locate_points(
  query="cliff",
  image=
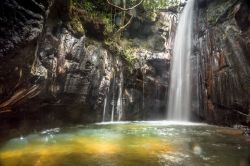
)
(222, 45)
(59, 66)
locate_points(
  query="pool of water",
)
(129, 144)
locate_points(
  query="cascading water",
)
(116, 103)
(113, 101)
(119, 100)
(180, 83)
(104, 107)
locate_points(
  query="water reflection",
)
(138, 143)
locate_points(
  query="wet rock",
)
(224, 61)
(202, 3)
(246, 132)
(242, 19)
(75, 75)
(21, 22)
(159, 43)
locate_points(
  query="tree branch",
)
(124, 9)
(124, 26)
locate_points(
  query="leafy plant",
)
(159, 4)
(129, 55)
(86, 5)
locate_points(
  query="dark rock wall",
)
(64, 81)
(51, 76)
(222, 43)
(21, 24)
(145, 83)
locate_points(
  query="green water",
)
(129, 144)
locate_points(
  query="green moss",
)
(126, 53)
(151, 15)
(105, 19)
(219, 10)
(113, 47)
(88, 17)
(129, 55)
(90, 42)
(76, 26)
(108, 25)
(152, 7)
(86, 5)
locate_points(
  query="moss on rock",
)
(218, 10)
(126, 53)
(76, 26)
(86, 18)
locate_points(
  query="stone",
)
(224, 63)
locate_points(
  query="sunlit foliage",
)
(159, 4)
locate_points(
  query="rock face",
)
(21, 24)
(56, 78)
(222, 43)
(51, 76)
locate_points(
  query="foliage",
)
(159, 4)
(98, 12)
(91, 6)
(87, 13)
(152, 7)
(101, 10)
(129, 55)
(76, 26)
(125, 52)
(88, 6)
(218, 9)
(105, 19)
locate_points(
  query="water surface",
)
(129, 144)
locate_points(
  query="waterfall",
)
(119, 100)
(143, 89)
(116, 111)
(143, 70)
(180, 82)
(104, 107)
(113, 101)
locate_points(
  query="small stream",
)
(129, 144)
